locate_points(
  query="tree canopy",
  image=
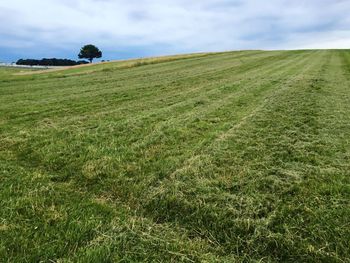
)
(90, 52)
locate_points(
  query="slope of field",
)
(227, 157)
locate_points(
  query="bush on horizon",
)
(50, 62)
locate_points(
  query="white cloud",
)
(175, 25)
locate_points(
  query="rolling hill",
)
(214, 157)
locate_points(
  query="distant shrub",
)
(50, 62)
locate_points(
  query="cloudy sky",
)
(137, 28)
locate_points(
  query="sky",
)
(140, 28)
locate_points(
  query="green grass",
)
(219, 157)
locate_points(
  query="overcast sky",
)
(136, 28)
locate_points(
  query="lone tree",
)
(90, 52)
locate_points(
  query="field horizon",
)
(238, 156)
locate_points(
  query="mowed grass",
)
(225, 157)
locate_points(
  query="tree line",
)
(88, 52)
(50, 62)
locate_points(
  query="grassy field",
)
(223, 157)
